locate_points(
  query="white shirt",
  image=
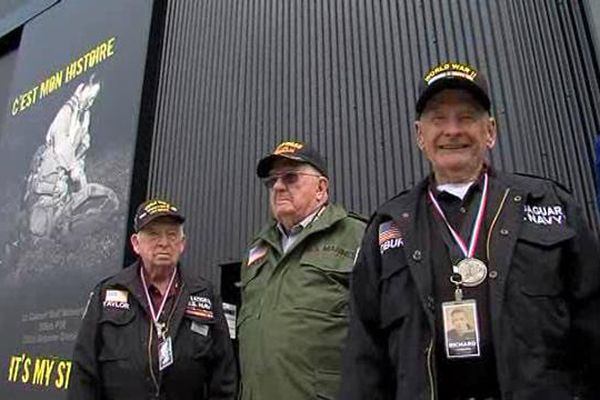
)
(457, 189)
(288, 238)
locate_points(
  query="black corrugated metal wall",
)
(237, 76)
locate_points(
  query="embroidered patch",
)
(390, 236)
(200, 302)
(116, 295)
(196, 312)
(544, 215)
(256, 253)
(199, 306)
(116, 299)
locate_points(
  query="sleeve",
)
(582, 266)
(365, 369)
(85, 381)
(222, 383)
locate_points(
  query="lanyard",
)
(156, 314)
(469, 251)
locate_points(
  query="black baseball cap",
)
(452, 75)
(296, 151)
(151, 209)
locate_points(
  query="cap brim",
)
(264, 166)
(453, 83)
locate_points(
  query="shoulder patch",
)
(256, 253)
(199, 306)
(544, 214)
(390, 236)
(115, 298)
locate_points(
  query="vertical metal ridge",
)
(238, 76)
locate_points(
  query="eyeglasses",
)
(287, 178)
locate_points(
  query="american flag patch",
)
(388, 231)
(256, 253)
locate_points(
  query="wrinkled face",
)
(459, 321)
(297, 191)
(160, 243)
(455, 132)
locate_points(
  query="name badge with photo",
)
(461, 328)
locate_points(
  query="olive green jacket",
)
(294, 313)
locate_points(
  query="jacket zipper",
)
(430, 369)
(158, 381)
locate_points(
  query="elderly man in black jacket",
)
(153, 331)
(513, 252)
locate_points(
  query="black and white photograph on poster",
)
(60, 203)
(67, 148)
(461, 329)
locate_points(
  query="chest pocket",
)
(323, 281)
(117, 334)
(250, 273)
(538, 257)
(201, 333)
(251, 288)
(395, 289)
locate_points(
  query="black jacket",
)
(544, 283)
(111, 357)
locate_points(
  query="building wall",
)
(238, 76)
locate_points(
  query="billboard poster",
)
(66, 154)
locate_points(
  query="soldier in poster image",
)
(295, 283)
(512, 253)
(154, 330)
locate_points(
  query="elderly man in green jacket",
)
(294, 312)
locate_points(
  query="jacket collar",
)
(129, 278)
(330, 216)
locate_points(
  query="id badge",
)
(165, 353)
(461, 328)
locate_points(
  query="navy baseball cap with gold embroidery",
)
(296, 151)
(151, 209)
(451, 75)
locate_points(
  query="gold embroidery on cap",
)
(288, 147)
(450, 69)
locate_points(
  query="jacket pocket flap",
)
(117, 317)
(250, 272)
(200, 320)
(390, 268)
(546, 236)
(329, 262)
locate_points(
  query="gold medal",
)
(472, 271)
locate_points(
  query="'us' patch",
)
(390, 236)
(256, 253)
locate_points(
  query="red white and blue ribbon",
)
(156, 314)
(469, 251)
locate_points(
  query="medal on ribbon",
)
(472, 270)
(165, 345)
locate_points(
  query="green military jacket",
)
(294, 313)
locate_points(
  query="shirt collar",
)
(296, 229)
(152, 289)
(477, 185)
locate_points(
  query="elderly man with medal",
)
(154, 330)
(475, 284)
